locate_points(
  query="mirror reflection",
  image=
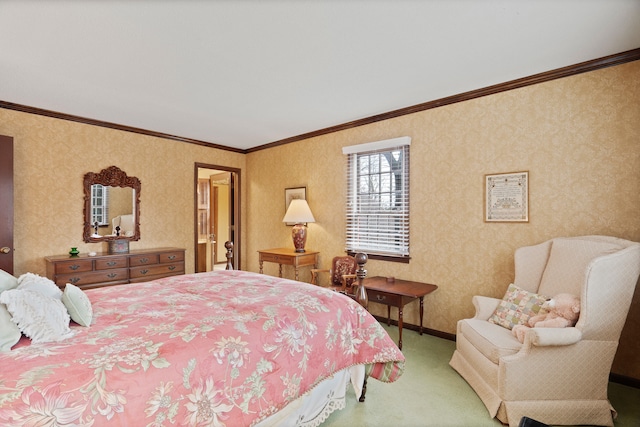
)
(112, 210)
(112, 206)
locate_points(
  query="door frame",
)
(234, 205)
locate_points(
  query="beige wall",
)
(51, 157)
(579, 138)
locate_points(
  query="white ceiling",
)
(246, 73)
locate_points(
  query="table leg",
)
(400, 310)
(421, 312)
(388, 315)
(296, 269)
(280, 270)
(260, 266)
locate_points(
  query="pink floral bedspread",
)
(211, 349)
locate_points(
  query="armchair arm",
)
(485, 306)
(543, 337)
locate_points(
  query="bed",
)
(230, 348)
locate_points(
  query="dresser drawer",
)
(114, 275)
(74, 266)
(384, 298)
(154, 270)
(108, 263)
(146, 259)
(166, 257)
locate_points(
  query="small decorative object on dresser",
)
(120, 246)
(103, 269)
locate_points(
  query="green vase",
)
(74, 252)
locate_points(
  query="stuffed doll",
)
(561, 311)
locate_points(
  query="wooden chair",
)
(342, 274)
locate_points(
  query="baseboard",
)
(616, 378)
(428, 331)
(624, 380)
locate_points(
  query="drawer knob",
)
(74, 267)
(172, 267)
(74, 280)
(144, 260)
(380, 297)
(144, 271)
(112, 275)
(111, 263)
(171, 257)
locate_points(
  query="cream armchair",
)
(556, 376)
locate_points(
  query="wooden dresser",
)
(105, 269)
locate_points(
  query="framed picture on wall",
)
(506, 197)
(293, 193)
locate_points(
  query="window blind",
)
(377, 208)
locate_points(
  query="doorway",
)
(216, 215)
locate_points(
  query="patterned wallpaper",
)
(51, 157)
(578, 137)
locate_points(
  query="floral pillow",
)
(516, 307)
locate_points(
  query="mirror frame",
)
(114, 177)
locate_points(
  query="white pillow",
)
(41, 318)
(7, 281)
(9, 332)
(78, 305)
(35, 282)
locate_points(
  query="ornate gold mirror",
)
(111, 206)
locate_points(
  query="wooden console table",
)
(397, 293)
(286, 256)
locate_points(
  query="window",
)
(99, 204)
(378, 198)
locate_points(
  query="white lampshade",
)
(298, 212)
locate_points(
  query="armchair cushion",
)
(516, 307)
(493, 341)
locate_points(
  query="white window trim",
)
(355, 242)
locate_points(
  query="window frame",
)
(363, 197)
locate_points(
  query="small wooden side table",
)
(286, 256)
(397, 293)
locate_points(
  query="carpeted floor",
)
(431, 393)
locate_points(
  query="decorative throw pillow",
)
(78, 305)
(41, 318)
(35, 282)
(516, 307)
(9, 332)
(7, 281)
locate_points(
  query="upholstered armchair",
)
(341, 275)
(557, 376)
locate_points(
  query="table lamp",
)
(299, 213)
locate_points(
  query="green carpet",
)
(431, 393)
